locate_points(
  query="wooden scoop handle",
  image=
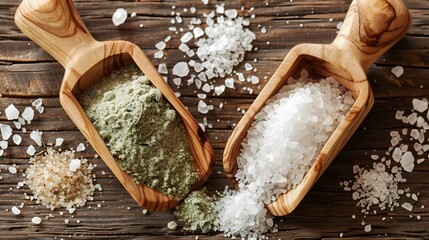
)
(371, 27)
(56, 26)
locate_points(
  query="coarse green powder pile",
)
(197, 212)
(142, 131)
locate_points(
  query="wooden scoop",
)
(57, 27)
(370, 28)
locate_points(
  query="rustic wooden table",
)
(27, 73)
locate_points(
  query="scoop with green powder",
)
(142, 131)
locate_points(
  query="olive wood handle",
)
(56, 26)
(371, 27)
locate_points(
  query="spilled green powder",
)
(197, 212)
(142, 131)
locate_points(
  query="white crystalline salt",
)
(31, 150)
(229, 83)
(339, 25)
(263, 30)
(220, 8)
(36, 136)
(205, 2)
(59, 142)
(415, 133)
(119, 16)
(398, 71)
(231, 13)
(16, 139)
(198, 32)
(206, 88)
(186, 37)
(248, 66)
(181, 69)
(74, 164)
(203, 107)
(219, 90)
(160, 45)
(158, 54)
(397, 154)
(12, 170)
(11, 112)
(184, 48)
(254, 79)
(40, 109)
(17, 124)
(202, 76)
(37, 103)
(28, 114)
(367, 228)
(286, 118)
(80, 147)
(172, 225)
(177, 81)
(6, 131)
(133, 14)
(16, 210)
(21, 120)
(193, 10)
(420, 105)
(3, 144)
(36, 220)
(407, 161)
(407, 206)
(162, 68)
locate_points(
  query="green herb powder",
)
(197, 212)
(142, 130)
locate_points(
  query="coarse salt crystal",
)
(206, 88)
(186, 37)
(3, 144)
(74, 164)
(407, 206)
(36, 136)
(398, 71)
(367, 228)
(181, 69)
(229, 83)
(59, 142)
(172, 225)
(80, 147)
(160, 45)
(37, 103)
(16, 139)
(420, 105)
(16, 210)
(248, 66)
(177, 81)
(11, 112)
(162, 68)
(158, 54)
(205, 2)
(183, 47)
(36, 220)
(219, 89)
(28, 114)
(40, 109)
(12, 169)
(6, 131)
(407, 161)
(198, 32)
(31, 150)
(231, 13)
(119, 16)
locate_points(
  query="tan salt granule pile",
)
(60, 180)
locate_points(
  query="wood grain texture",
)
(27, 72)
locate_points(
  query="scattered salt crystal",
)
(248, 66)
(181, 69)
(367, 228)
(339, 25)
(40, 109)
(231, 13)
(28, 114)
(6, 131)
(205, 2)
(229, 83)
(177, 81)
(16, 139)
(183, 47)
(74, 164)
(11, 112)
(254, 79)
(407, 206)
(16, 210)
(37, 103)
(420, 160)
(398, 71)
(198, 32)
(59, 142)
(119, 16)
(414, 197)
(17, 124)
(133, 14)
(193, 10)
(31, 150)
(263, 30)
(219, 89)
(172, 225)
(407, 161)
(160, 45)
(203, 107)
(80, 147)
(206, 88)
(36, 136)
(36, 220)
(158, 54)
(3, 144)
(420, 105)
(186, 37)
(415, 134)
(162, 68)
(12, 169)
(201, 95)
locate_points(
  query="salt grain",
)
(181, 69)
(80, 147)
(407, 161)
(407, 206)
(59, 142)
(398, 71)
(186, 37)
(6, 131)
(12, 170)
(229, 83)
(36, 136)
(162, 68)
(198, 32)
(367, 228)
(36, 220)
(160, 45)
(74, 164)
(31, 150)
(16, 139)
(119, 16)
(16, 210)
(11, 112)
(172, 225)
(28, 114)
(420, 105)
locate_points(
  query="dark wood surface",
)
(27, 72)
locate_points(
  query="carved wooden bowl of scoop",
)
(56, 26)
(370, 28)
